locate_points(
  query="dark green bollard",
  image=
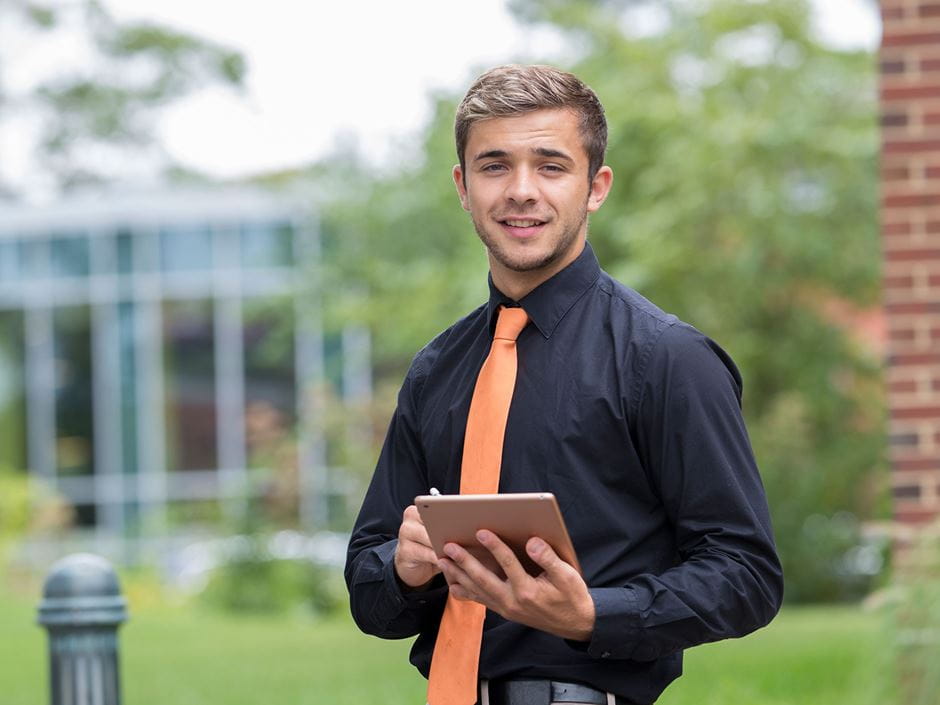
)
(82, 607)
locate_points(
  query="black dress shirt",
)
(633, 420)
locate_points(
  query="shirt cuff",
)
(616, 623)
(394, 595)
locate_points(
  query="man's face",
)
(526, 188)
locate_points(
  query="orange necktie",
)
(454, 665)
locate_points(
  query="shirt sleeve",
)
(378, 604)
(691, 436)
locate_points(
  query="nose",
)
(521, 187)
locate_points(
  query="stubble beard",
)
(568, 236)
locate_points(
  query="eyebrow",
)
(491, 154)
(552, 153)
(541, 151)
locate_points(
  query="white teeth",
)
(522, 223)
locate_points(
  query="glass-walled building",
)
(157, 350)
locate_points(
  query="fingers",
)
(540, 552)
(557, 601)
(546, 558)
(461, 593)
(464, 567)
(412, 528)
(504, 556)
(414, 535)
(415, 560)
(471, 578)
(457, 579)
(416, 553)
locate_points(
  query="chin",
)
(525, 263)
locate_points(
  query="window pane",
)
(10, 266)
(34, 258)
(270, 391)
(185, 249)
(267, 245)
(12, 392)
(188, 356)
(125, 252)
(73, 391)
(128, 357)
(85, 515)
(70, 256)
(146, 250)
(226, 247)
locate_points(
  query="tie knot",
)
(510, 323)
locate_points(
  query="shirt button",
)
(422, 602)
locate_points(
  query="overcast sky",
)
(381, 60)
(322, 70)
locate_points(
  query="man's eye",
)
(493, 167)
(552, 167)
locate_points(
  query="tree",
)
(744, 201)
(93, 121)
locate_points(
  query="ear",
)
(461, 187)
(600, 187)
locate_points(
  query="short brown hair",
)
(510, 90)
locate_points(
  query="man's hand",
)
(557, 601)
(415, 560)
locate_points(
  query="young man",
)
(629, 416)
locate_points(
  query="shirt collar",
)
(548, 303)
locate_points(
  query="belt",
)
(544, 692)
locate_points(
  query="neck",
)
(516, 285)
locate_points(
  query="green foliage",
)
(404, 258)
(255, 582)
(12, 393)
(915, 633)
(14, 504)
(183, 56)
(744, 201)
(251, 578)
(41, 16)
(27, 507)
(833, 561)
(109, 105)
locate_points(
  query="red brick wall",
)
(910, 119)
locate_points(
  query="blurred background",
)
(226, 229)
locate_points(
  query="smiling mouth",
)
(521, 222)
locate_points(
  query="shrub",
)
(251, 580)
(917, 621)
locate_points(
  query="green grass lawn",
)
(807, 656)
(177, 656)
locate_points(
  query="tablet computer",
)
(514, 517)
